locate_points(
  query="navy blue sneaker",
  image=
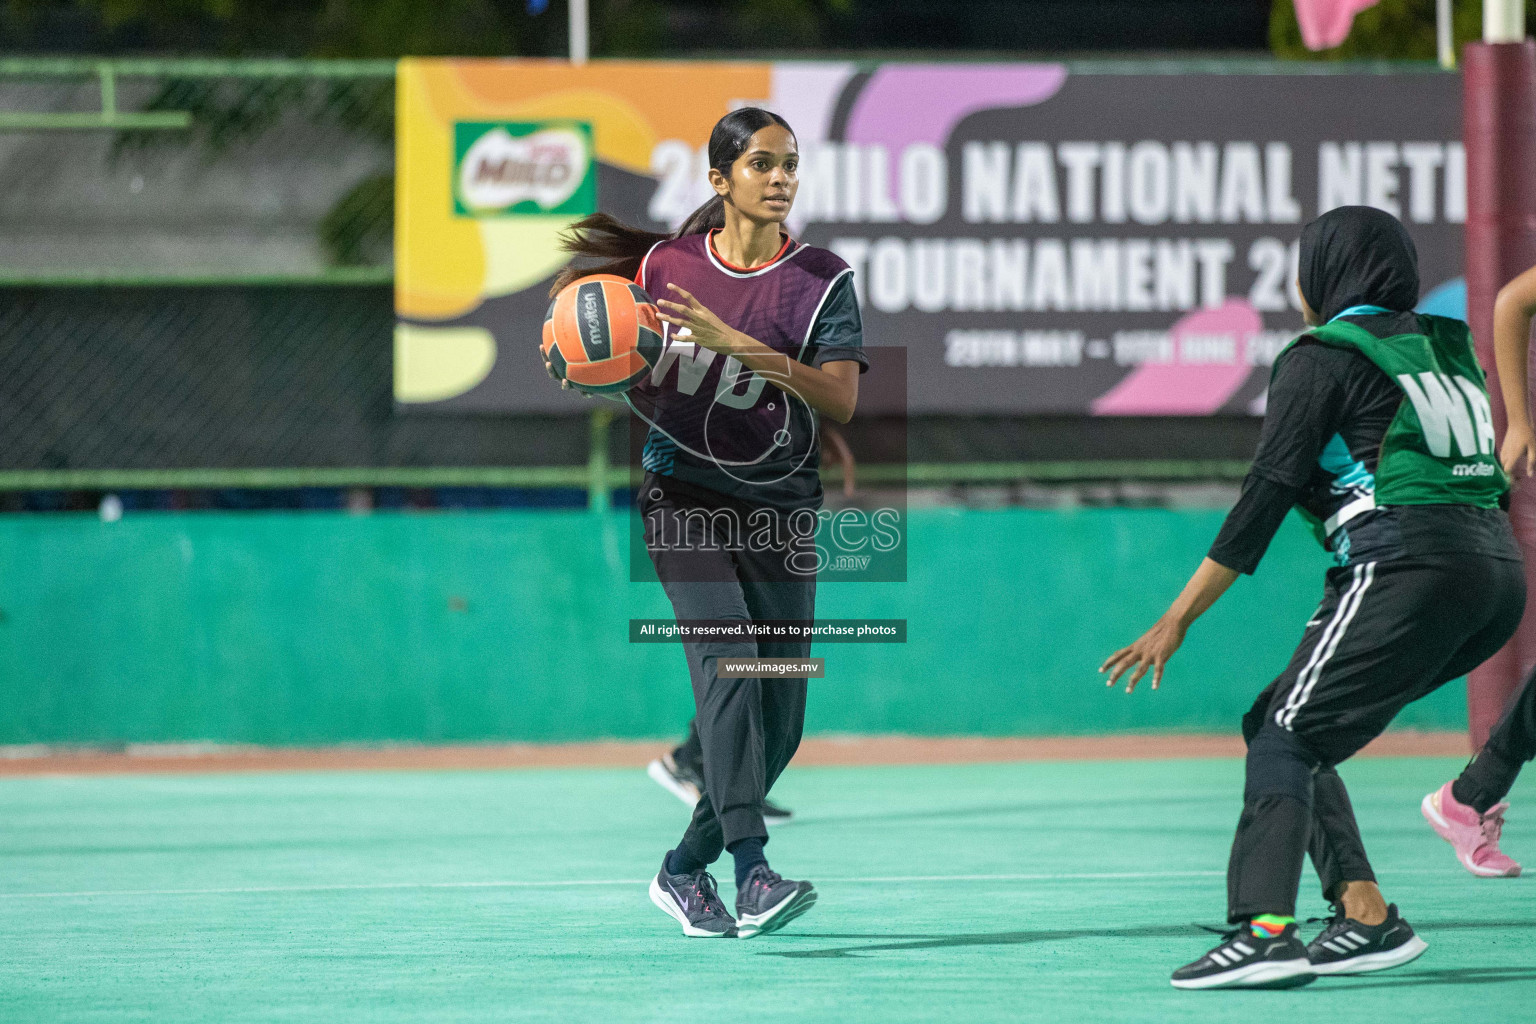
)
(1246, 961)
(685, 781)
(768, 902)
(773, 814)
(1348, 947)
(691, 900)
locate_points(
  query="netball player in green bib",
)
(1379, 430)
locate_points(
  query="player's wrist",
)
(746, 345)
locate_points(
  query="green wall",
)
(308, 628)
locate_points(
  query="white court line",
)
(1090, 876)
(365, 887)
(385, 886)
(1094, 876)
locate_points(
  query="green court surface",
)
(978, 893)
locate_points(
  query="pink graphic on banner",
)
(907, 103)
(1206, 362)
(805, 94)
(1326, 23)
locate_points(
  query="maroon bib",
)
(712, 408)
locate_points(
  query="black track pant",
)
(748, 729)
(1487, 780)
(690, 752)
(1386, 634)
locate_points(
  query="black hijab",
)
(1357, 256)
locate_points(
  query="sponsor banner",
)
(505, 167)
(1037, 241)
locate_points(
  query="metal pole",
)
(1503, 21)
(1498, 110)
(108, 91)
(578, 32)
(1444, 37)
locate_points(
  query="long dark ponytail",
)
(621, 247)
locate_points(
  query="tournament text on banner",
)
(1038, 241)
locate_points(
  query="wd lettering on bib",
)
(712, 421)
(692, 361)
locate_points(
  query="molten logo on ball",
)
(593, 314)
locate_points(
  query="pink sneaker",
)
(1475, 838)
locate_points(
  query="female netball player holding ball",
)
(763, 335)
(1378, 428)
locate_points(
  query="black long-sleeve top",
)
(1328, 411)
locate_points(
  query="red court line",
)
(853, 750)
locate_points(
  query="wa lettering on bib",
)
(1440, 448)
(1450, 407)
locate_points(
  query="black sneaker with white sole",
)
(773, 814)
(768, 901)
(1243, 960)
(691, 901)
(678, 779)
(685, 781)
(1348, 947)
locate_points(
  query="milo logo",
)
(507, 167)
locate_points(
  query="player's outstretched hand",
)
(703, 327)
(1150, 652)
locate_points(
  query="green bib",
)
(1439, 448)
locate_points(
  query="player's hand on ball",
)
(703, 327)
(549, 368)
(1150, 652)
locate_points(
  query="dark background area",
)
(388, 28)
(235, 414)
(253, 377)
(1392, 29)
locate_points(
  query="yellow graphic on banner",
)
(434, 363)
(452, 256)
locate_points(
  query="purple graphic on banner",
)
(909, 103)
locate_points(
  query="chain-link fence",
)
(193, 170)
(195, 258)
(194, 268)
(251, 384)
